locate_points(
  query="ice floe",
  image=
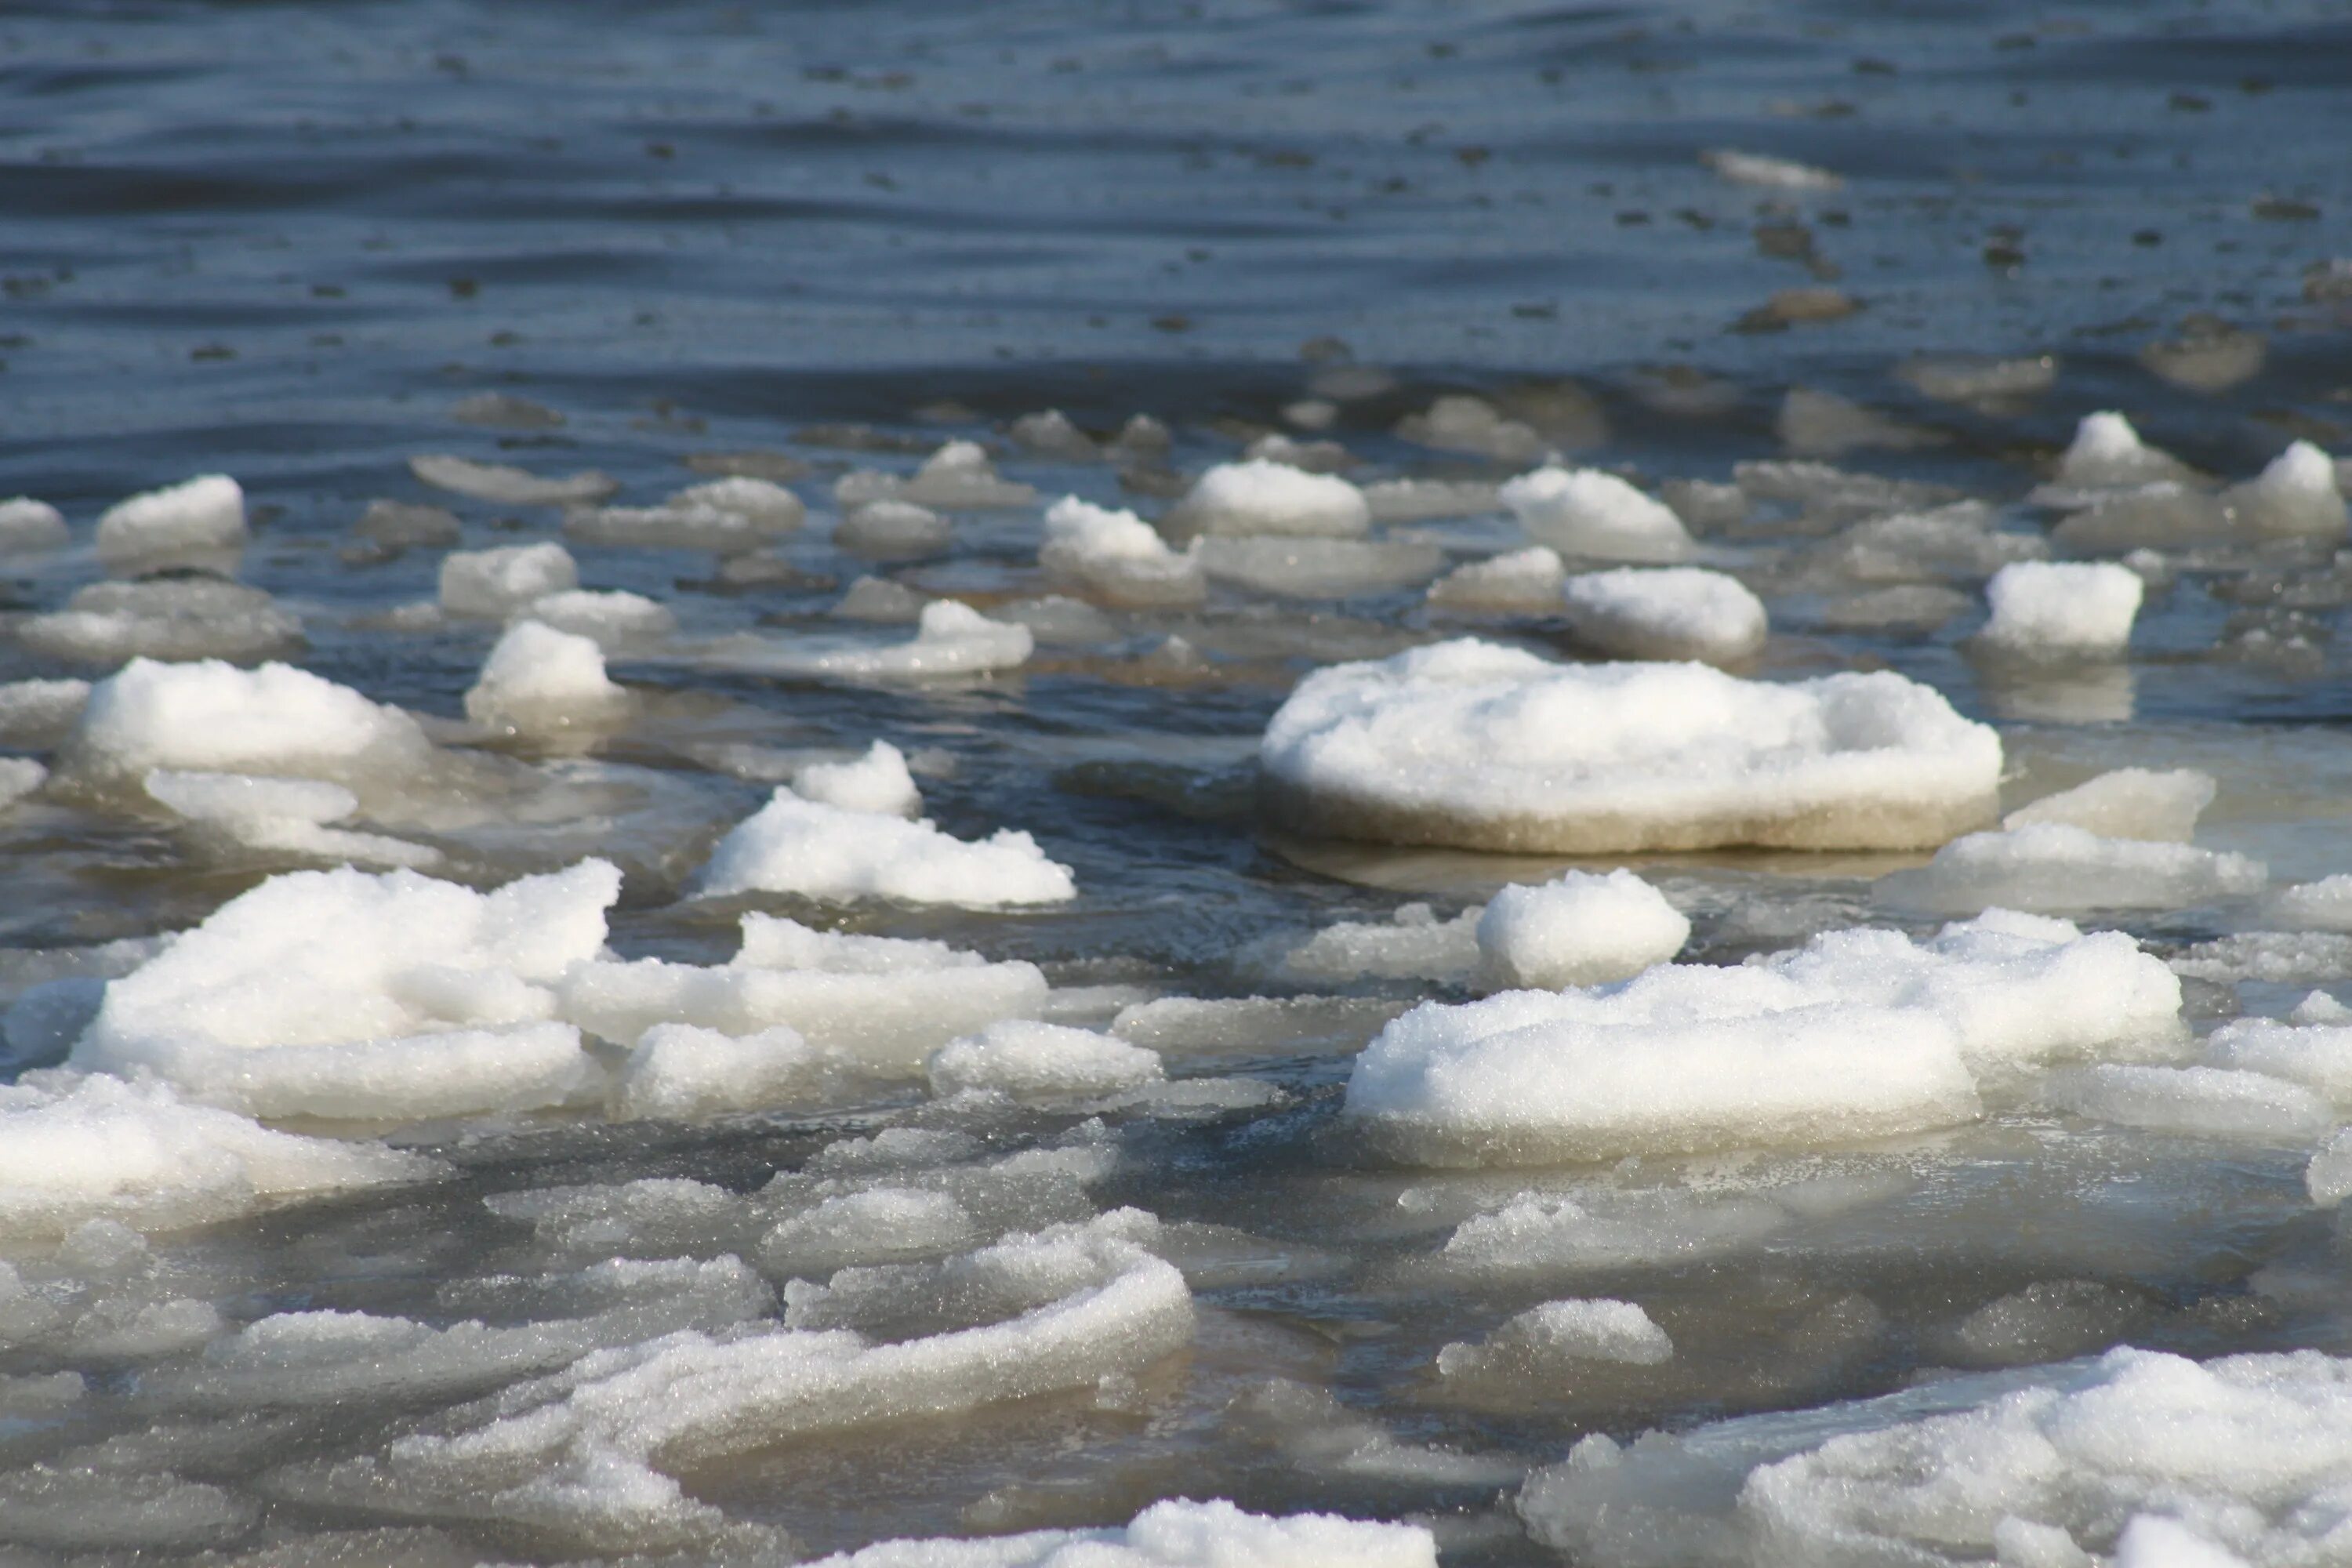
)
(1180, 1533)
(1261, 497)
(213, 717)
(1666, 612)
(538, 680)
(819, 851)
(2056, 865)
(495, 583)
(1584, 511)
(165, 618)
(195, 516)
(1118, 556)
(2043, 609)
(1582, 930)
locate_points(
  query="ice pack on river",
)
(1241, 786)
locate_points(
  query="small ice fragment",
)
(2161, 806)
(205, 513)
(2045, 609)
(1585, 511)
(2316, 1055)
(508, 486)
(888, 529)
(1668, 612)
(216, 718)
(769, 507)
(877, 781)
(613, 620)
(1318, 568)
(881, 600)
(283, 817)
(957, 477)
(1119, 556)
(1547, 1341)
(1412, 944)
(19, 777)
(1259, 497)
(1582, 930)
(1774, 173)
(1051, 434)
(796, 845)
(2108, 454)
(1460, 422)
(401, 525)
(2295, 497)
(27, 525)
(1520, 582)
(1042, 1061)
(495, 583)
(538, 681)
(950, 640)
(665, 527)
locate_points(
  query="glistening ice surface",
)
(843, 782)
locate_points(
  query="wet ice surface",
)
(648, 916)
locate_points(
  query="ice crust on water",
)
(1480, 746)
(2161, 806)
(2152, 1457)
(2069, 609)
(389, 996)
(796, 846)
(495, 583)
(877, 781)
(1580, 930)
(2048, 866)
(170, 618)
(75, 1148)
(1262, 497)
(1858, 1034)
(1180, 1533)
(538, 681)
(205, 513)
(27, 524)
(1546, 1343)
(1520, 582)
(211, 717)
(1118, 556)
(1028, 1061)
(1585, 511)
(1666, 612)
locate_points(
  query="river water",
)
(303, 243)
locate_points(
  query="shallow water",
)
(296, 243)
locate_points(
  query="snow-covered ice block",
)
(1520, 582)
(877, 781)
(1484, 747)
(495, 583)
(1667, 612)
(1262, 497)
(1585, 511)
(27, 524)
(682, 1073)
(1580, 930)
(509, 485)
(167, 617)
(1547, 1341)
(205, 513)
(2107, 454)
(378, 996)
(1178, 1533)
(2053, 866)
(1118, 556)
(76, 1148)
(2212, 1101)
(2062, 609)
(2294, 497)
(2161, 806)
(538, 681)
(796, 846)
(1031, 1060)
(211, 717)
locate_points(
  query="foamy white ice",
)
(1030, 1060)
(1580, 930)
(2063, 609)
(2127, 803)
(2056, 865)
(205, 513)
(1585, 511)
(1180, 1533)
(495, 583)
(877, 781)
(211, 717)
(2323, 905)
(538, 681)
(1262, 497)
(1118, 556)
(1667, 612)
(767, 505)
(1480, 746)
(796, 846)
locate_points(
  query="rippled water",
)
(296, 243)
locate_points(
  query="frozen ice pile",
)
(1118, 556)
(1856, 1034)
(877, 781)
(1582, 930)
(538, 681)
(2070, 609)
(1584, 511)
(1666, 612)
(1480, 746)
(495, 583)
(195, 516)
(2151, 1458)
(2051, 865)
(1263, 497)
(1178, 1533)
(213, 717)
(797, 846)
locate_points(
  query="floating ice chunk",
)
(952, 638)
(766, 505)
(958, 477)
(1774, 173)
(1175, 1535)
(510, 486)
(880, 1225)
(1534, 1234)
(613, 620)
(2211, 1101)
(2323, 905)
(1042, 1061)
(1521, 582)
(401, 525)
(74, 1149)
(1994, 385)
(880, 599)
(495, 583)
(1310, 456)
(2329, 1177)
(1259, 497)
(1580, 930)
(1915, 606)
(1314, 568)
(877, 781)
(1667, 612)
(211, 717)
(1813, 423)
(669, 526)
(1052, 433)
(2070, 609)
(1459, 423)
(34, 712)
(892, 529)
(2053, 866)
(2160, 516)
(1584, 511)
(1545, 1342)
(796, 845)
(577, 1451)
(283, 817)
(170, 618)
(1118, 555)
(20, 776)
(1834, 496)
(26, 525)
(1412, 944)
(2281, 958)
(1417, 501)
(682, 1073)
(2319, 1007)
(770, 941)
(2317, 1056)
(2294, 497)
(2107, 454)
(1955, 542)
(384, 996)
(1480, 746)
(205, 513)
(538, 681)
(2128, 803)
